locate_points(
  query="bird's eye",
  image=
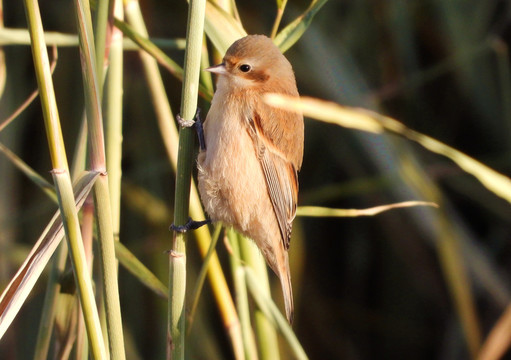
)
(245, 68)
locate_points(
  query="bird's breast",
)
(231, 181)
(225, 131)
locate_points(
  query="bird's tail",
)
(287, 290)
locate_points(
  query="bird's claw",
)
(195, 122)
(190, 225)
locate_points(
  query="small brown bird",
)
(248, 173)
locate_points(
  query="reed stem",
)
(177, 258)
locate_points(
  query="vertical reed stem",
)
(177, 259)
(62, 179)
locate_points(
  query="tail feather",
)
(287, 290)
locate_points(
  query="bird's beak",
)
(217, 69)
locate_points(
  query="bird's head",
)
(254, 61)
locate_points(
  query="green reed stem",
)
(177, 259)
(242, 304)
(265, 330)
(92, 90)
(62, 179)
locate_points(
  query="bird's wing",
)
(279, 172)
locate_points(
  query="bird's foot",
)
(190, 225)
(197, 123)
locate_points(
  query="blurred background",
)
(404, 284)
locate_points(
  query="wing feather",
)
(280, 175)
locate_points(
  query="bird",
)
(248, 170)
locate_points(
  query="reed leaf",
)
(15, 294)
(221, 27)
(318, 211)
(294, 31)
(365, 120)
